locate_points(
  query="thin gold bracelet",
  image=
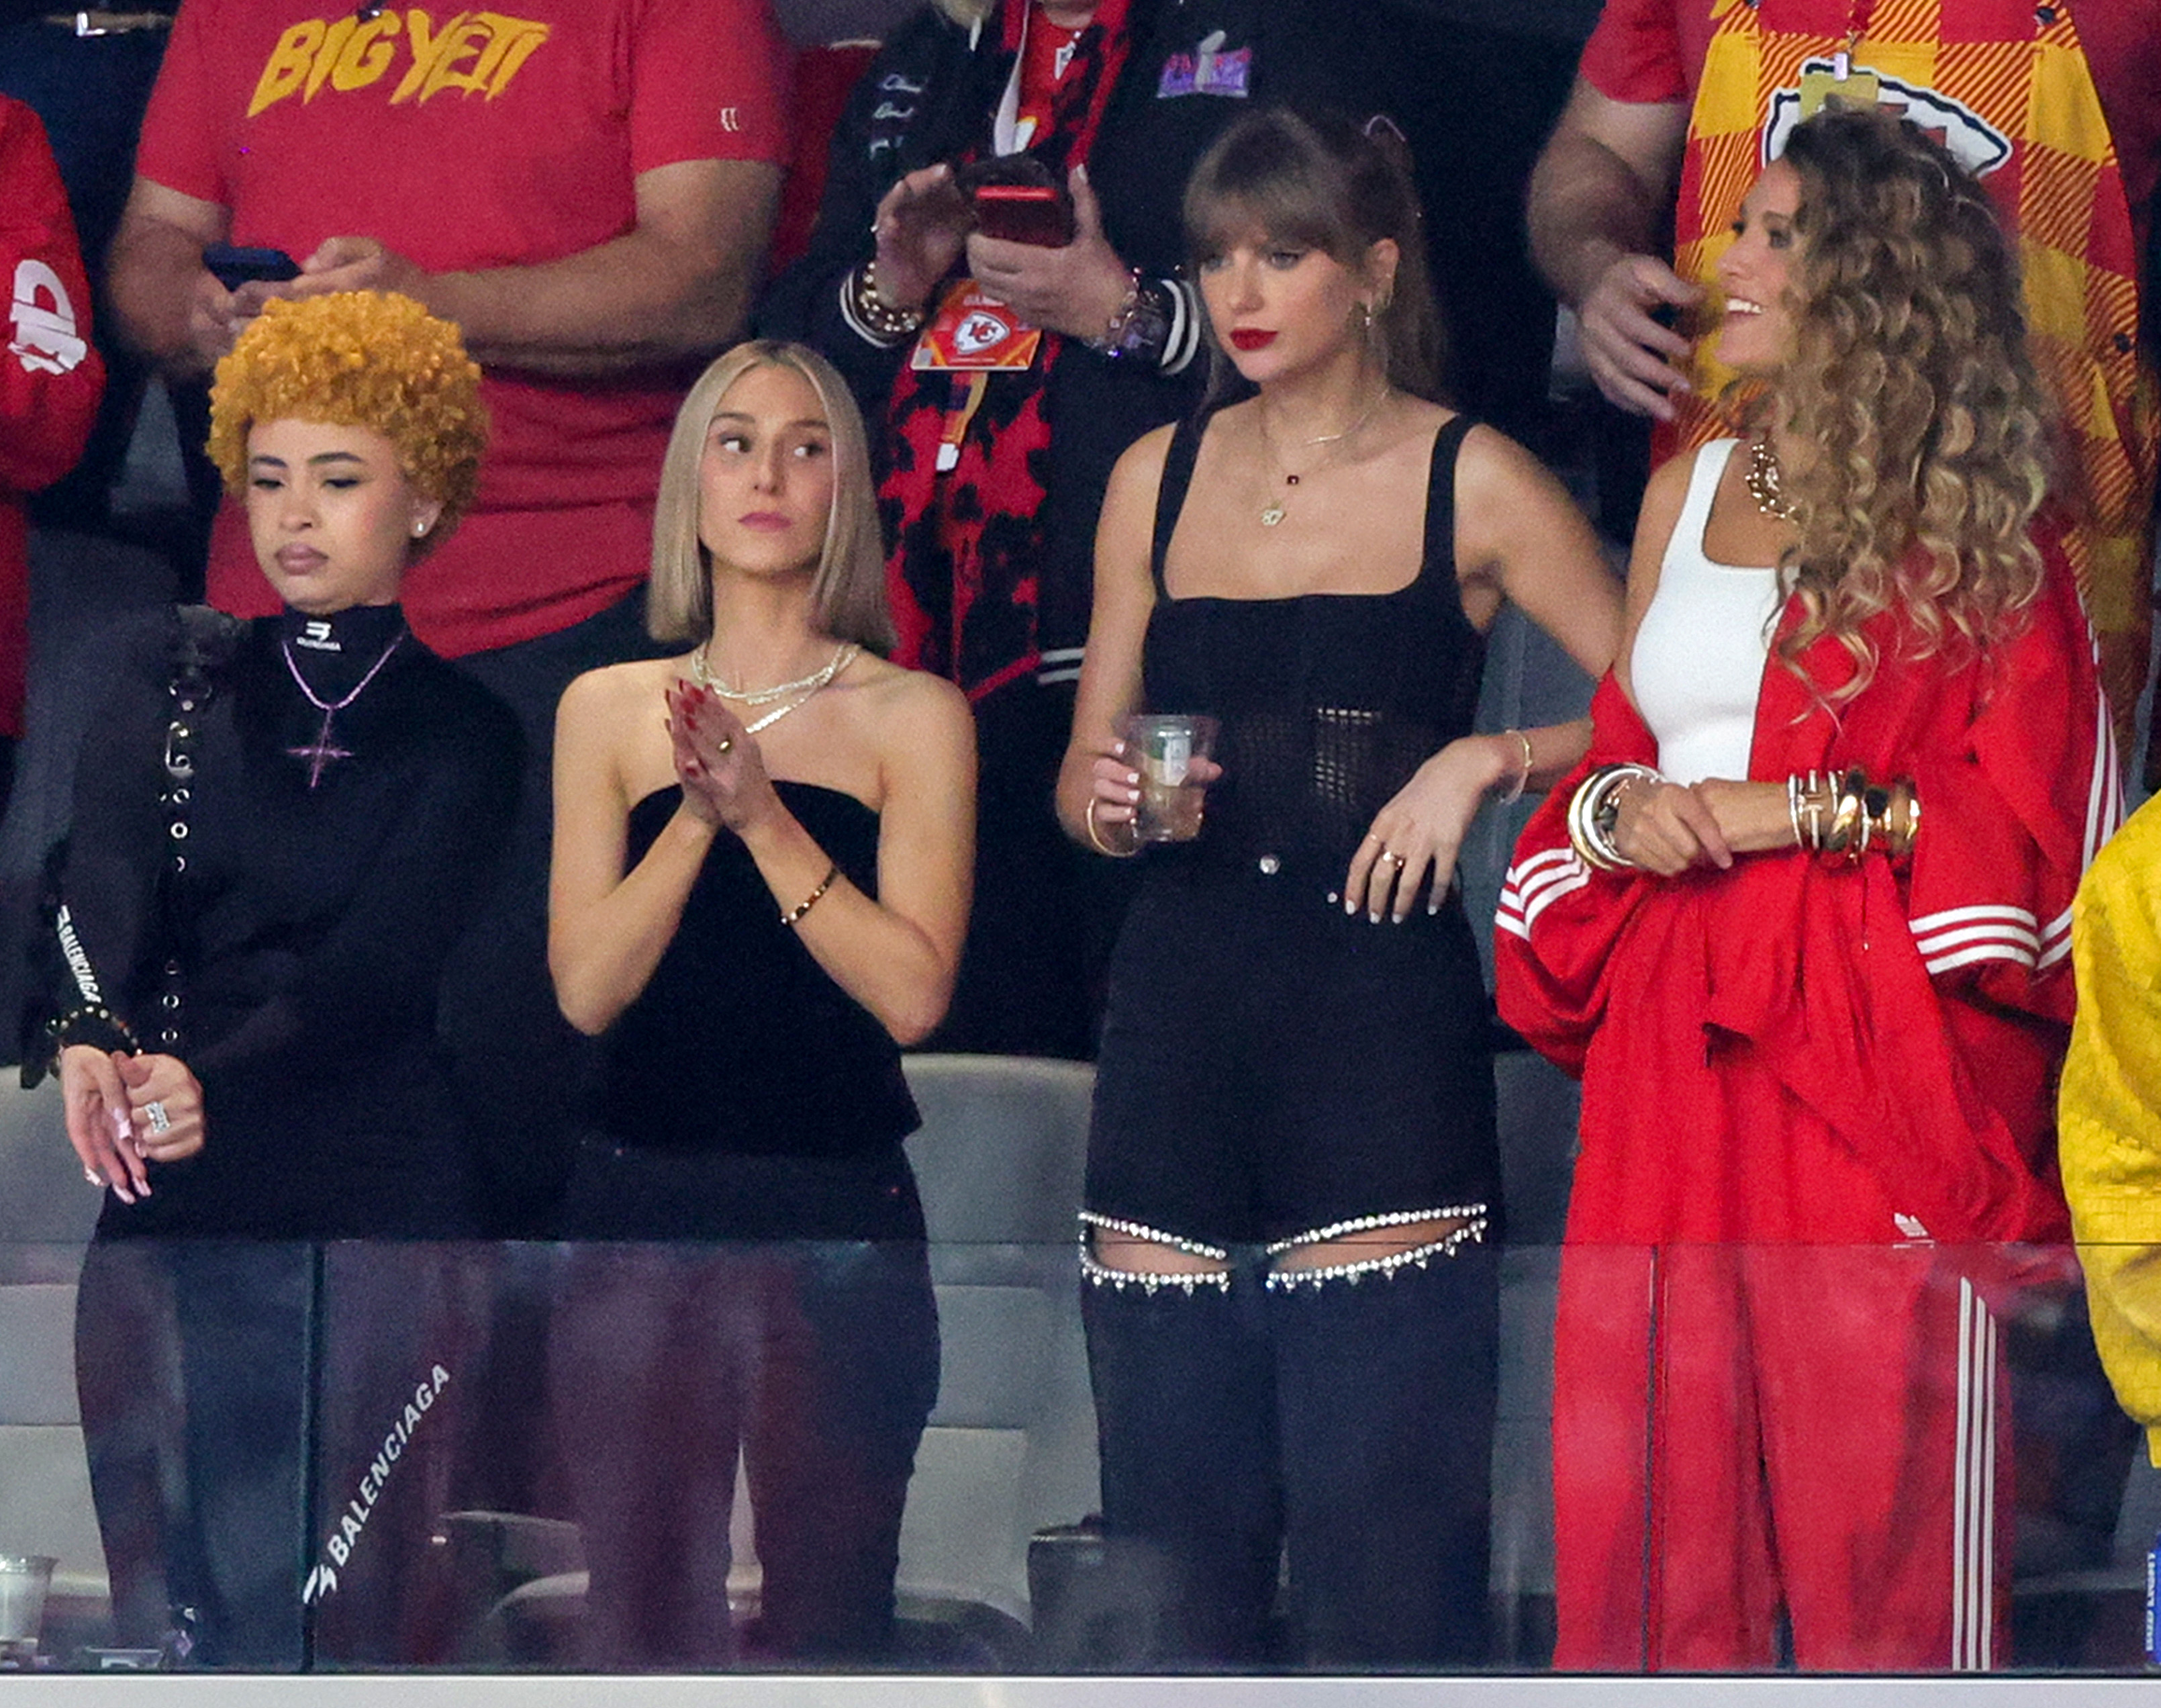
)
(1523, 776)
(1095, 836)
(793, 916)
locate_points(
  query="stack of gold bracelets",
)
(1839, 814)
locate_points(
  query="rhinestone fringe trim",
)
(1394, 1218)
(1473, 1233)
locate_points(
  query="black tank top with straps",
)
(1328, 701)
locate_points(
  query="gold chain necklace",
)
(1762, 480)
(1276, 508)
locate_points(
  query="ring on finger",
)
(161, 1122)
(1394, 859)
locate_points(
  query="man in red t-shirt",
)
(1604, 187)
(587, 188)
(586, 191)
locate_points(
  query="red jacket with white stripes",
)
(1910, 1020)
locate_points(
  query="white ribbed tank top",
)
(1697, 665)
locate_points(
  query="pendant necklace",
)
(1276, 508)
(322, 753)
(1762, 480)
(803, 690)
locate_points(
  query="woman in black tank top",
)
(1294, 1093)
(759, 890)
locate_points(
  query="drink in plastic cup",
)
(1163, 746)
(24, 1578)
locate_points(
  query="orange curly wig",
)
(367, 359)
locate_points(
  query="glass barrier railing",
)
(360, 1457)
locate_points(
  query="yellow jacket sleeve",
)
(2110, 1111)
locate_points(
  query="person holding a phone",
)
(995, 268)
(1293, 1189)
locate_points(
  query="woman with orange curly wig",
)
(1801, 923)
(278, 826)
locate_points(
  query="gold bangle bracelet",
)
(1095, 836)
(1523, 774)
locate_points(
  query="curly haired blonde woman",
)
(1801, 923)
(279, 826)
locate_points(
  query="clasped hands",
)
(124, 1111)
(716, 760)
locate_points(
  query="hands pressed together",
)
(716, 760)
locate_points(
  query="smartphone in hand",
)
(1025, 213)
(1016, 198)
(233, 267)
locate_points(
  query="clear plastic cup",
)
(1163, 746)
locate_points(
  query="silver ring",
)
(1394, 859)
(161, 1122)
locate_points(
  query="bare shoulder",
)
(1142, 462)
(614, 687)
(1492, 465)
(911, 707)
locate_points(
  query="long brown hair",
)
(1923, 432)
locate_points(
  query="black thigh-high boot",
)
(1192, 1506)
(1387, 1384)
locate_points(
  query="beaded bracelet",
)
(878, 316)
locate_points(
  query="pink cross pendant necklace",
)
(322, 753)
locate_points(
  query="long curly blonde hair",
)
(1924, 439)
(358, 358)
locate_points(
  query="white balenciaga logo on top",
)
(45, 337)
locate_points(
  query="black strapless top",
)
(1328, 701)
(740, 1041)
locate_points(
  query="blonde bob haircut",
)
(848, 591)
(358, 358)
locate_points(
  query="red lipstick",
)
(1252, 338)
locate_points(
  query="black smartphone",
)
(233, 267)
(1025, 213)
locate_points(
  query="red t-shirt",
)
(1651, 51)
(467, 140)
(51, 376)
